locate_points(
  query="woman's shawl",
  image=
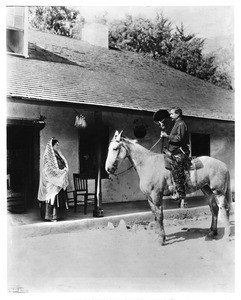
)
(52, 179)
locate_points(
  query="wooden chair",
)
(81, 190)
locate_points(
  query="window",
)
(200, 144)
(17, 30)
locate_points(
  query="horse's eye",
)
(115, 149)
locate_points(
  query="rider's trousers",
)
(178, 172)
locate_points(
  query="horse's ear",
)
(116, 134)
(118, 137)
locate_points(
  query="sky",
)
(206, 18)
(204, 21)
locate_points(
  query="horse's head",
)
(116, 153)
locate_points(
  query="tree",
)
(185, 52)
(161, 35)
(221, 79)
(181, 35)
(206, 69)
(224, 63)
(141, 35)
(179, 50)
(57, 19)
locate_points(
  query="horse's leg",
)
(212, 201)
(153, 209)
(158, 208)
(224, 209)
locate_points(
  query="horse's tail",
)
(228, 194)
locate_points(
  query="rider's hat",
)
(160, 115)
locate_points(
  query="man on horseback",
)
(177, 145)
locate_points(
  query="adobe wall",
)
(60, 123)
(222, 140)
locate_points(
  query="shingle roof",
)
(68, 70)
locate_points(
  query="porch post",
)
(98, 212)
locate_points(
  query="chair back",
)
(80, 182)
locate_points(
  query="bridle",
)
(115, 165)
(128, 156)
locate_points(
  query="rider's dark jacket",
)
(179, 137)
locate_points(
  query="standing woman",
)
(52, 192)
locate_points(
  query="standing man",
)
(178, 141)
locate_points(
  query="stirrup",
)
(175, 195)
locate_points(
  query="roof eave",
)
(89, 106)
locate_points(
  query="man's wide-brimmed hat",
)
(160, 115)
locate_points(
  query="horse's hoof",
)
(161, 241)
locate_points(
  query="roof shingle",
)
(98, 76)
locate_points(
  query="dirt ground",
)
(121, 259)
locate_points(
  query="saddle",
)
(191, 163)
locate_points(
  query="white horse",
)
(155, 180)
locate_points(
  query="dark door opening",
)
(22, 167)
(200, 144)
(88, 141)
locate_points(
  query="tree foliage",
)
(224, 62)
(155, 37)
(141, 35)
(172, 46)
(57, 19)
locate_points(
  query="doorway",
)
(200, 144)
(88, 152)
(22, 167)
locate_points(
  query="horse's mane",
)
(135, 142)
(128, 140)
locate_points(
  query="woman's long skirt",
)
(58, 210)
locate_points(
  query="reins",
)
(132, 166)
(155, 144)
(124, 171)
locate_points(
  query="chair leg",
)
(85, 204)
(75, 203)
